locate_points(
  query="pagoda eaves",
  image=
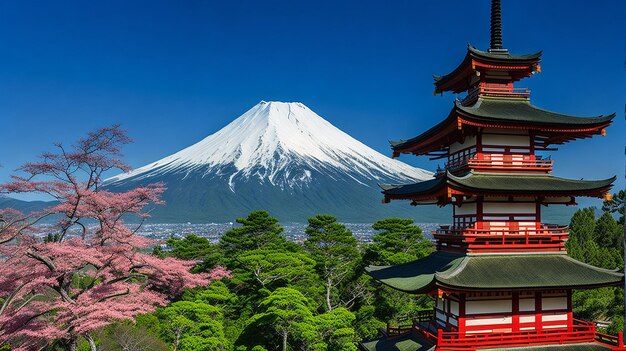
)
(444, 189)
(547, 127)
(477, 62)
(457, 272)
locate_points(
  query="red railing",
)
(581, 332)
(406, 325)
(617, 342)
(548, 237)
(540, 165)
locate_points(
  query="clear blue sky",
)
(174, 72)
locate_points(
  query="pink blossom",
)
(84, 276)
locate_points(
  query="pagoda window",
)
(461, 152)
(465, 215)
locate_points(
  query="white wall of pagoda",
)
(498, 214)
(493, 312)
(463, 150)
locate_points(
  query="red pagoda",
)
(501, 279)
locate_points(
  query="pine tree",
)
(334, 248)
(398, 241)
(259, 230)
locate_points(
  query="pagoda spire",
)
(496, 26)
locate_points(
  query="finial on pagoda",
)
(496, 27)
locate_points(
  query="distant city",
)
(293, 231)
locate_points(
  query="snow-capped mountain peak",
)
(284, 144)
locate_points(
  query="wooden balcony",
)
(580, 332)
(547, 238)
(499, 164)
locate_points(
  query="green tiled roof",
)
(499, 57)
(502, 55)
(506, 111)
(493, 272)
(513, 111)
(408, 342)
(419, 187)
(417, 276)
(527, 182)
(506, 183)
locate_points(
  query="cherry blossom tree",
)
(78, 265)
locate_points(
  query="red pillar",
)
(538, 312)
(570, 314)
(515, 312)
(461, 321)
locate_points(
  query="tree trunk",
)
(71, 345)
(92, 343)
(285, 334)
(328, 286)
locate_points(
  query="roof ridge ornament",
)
(496, 27)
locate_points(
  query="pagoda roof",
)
(506, 113)
(484, 183)
(513, 111)
(458, 80)
(493, 272)
(406, 342)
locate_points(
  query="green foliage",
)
(286, 315)
(366, 323)
(398, 241)
(259, 230)
(334, 248)
(192, 247)
(216, 294)
(599, 243)
(617, 204)
(290, 316)
(126, 336)
(193, 326)
(273, 268)
(335, 330)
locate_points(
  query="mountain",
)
(283, 158)
(24, 206)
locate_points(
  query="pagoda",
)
(501, 278)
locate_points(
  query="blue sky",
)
(174, 72)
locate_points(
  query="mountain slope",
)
(281, 157)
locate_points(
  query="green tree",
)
(582, 227)
(397, 241)
(607, 232)
(366, 323)
(192, 247)
(216, 294)
(125, 336)
(599, 243)
(193, 326)
(617, 204)
(334, 248)
(285, 312)
(335, 330)
(259, 230)
(273, 268)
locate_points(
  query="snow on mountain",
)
(266, 139)
(277, 156)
